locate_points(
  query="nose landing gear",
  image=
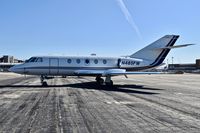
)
(44, 83)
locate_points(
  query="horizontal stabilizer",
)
(177, 46)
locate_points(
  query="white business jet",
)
(149, 57)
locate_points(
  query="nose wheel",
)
(44, 83)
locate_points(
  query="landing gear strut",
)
(44, 83)
(108, 81)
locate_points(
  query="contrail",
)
(129, 18)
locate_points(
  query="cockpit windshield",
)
(34, 59)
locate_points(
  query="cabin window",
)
(69, 61)
(87, 61)
(78, 61)
(96, 61)
(104, 61)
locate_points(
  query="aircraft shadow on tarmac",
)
(136, 89)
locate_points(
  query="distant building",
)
(198, 63)
(8, 61)
(18, 61)
(192, 67)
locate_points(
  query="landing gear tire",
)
(109, 83)
(100, 81)
(44, 84)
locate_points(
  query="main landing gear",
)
(44, 83)
(99, 80)
(107, 81)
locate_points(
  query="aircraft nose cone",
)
(16, 69)
(11, 69)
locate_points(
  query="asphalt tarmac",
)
(139, 104)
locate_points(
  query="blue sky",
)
(82, 27)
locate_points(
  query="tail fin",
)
(154, 53)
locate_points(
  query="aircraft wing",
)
(89, 72)
(112, 72)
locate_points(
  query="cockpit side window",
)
(28, 60)
(39, 60)
(33, 59)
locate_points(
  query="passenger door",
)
(53, 66)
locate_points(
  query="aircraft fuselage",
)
(70, 64)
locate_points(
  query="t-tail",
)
(155, 53)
